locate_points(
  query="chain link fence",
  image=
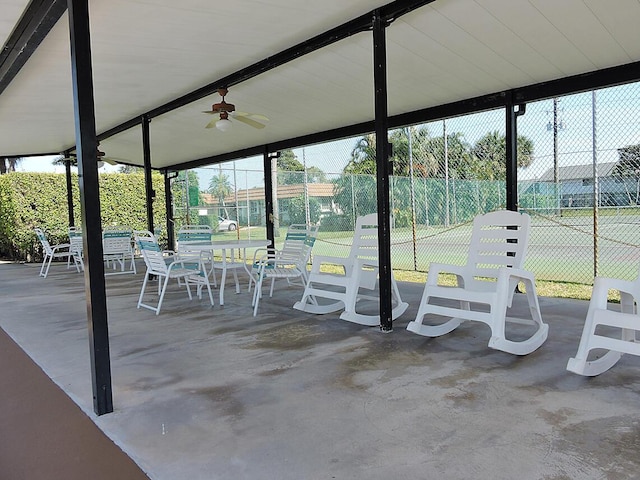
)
(578, 177)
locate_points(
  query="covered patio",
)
(137, 77)
(202, 392)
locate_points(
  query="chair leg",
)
(523, 347)
(209, 290)
(133, 264)
(164, 289)
(273, 283)
(44, 262)
(48, 265)
(257, 292)
(144, 285)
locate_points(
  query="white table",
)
(223, 246)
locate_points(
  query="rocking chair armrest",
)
(367, 262)
(629, 291)
(517, 273)
(435, 269)
(319, 260)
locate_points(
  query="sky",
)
(45, 164)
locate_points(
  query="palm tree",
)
(9, 164)
(220, 187)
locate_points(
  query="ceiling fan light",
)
(224, 124)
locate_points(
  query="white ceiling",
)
(146, 53)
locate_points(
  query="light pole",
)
(413, 199)
(446, 173)
(556, 126)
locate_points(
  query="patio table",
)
(223, 246)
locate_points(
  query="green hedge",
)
(29, 200)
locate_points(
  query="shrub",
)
(29, 200)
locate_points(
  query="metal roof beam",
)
(36, 22)
(564, 86)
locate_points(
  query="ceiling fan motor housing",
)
(223, 107)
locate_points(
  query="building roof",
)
(284, 191)
(577, 172)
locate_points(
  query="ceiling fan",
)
(100, 157)
(226, 110)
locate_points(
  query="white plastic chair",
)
(604, 324)
(117, 249)
(76, 248)
(157, 266)
(297, 237)
(288, 263)
(189, 234)
(50, 252)
(489, 279)
(360, 271)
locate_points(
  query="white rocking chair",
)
(490, 277)
(360, 272)
(625, 323)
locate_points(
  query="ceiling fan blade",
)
(108, 160)
(212, 123)
(248, 121)
(255, 116)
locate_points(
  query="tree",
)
(220, 187)
(297, 211)
(363, 156)
(424, 162)
(628, 169)
(9, 164)
(490, 156)
(628, 161)
(316, 175)
(288, 164)
(130, 169)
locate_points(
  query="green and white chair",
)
(76, 248)
(290, 262)
(117, 250)
(157, 266)
(51, 251)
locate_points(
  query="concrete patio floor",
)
(206, 392)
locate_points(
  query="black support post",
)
(511, 138)
(268, 196)
(87, 150)
(382, 169)
(67, 170)
(168, 205)
(148, 184)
